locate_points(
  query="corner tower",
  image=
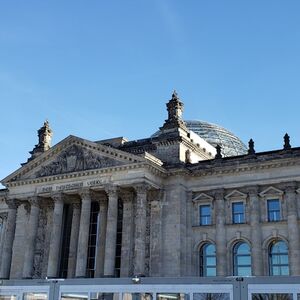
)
(44, 144)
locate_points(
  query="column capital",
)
(126, 196)
(252, 190)
(76, 205)
(290, 188)
(141, 188)
(219, 194)
(85, 194)
(102, 199)
(3, 215)
(12, 203)
(58, 197)
(34, 201)
(111, 190)
(155, 195)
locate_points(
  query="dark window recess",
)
(93, 234)
(66, 234)
(119, 239)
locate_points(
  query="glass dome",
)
(216, 135)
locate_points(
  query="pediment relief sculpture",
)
(75, 159)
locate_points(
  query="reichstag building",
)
(192, 200)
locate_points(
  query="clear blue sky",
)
(101, 69)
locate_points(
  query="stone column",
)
(256, 234)
(140, 230)
(55, 239)
(293, 230)
(155, 232)
(127, 233)
(111, 231)
(100, 248)
(220, 233)
(3, 220)
(83, 238)
(31, 237)
(9, 238)
(74, 239)
(17, 262)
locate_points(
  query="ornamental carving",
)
(75, 159)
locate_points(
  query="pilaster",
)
(31, 237)
(220, 233)
(55, 239)
(256, 234)
(74, 239)
(140, 230)
(19, 242)
(83, 238)
(155, 198)
(9, 238)
(127, 233)
(111, 231)
(293, 229)
(100, 248)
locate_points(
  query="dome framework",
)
(216, 135)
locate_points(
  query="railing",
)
(250, 288)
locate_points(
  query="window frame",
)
(233, 214)
(268, 200)
(203, 266)
(236, 255)
(209, 217)
(271, 265)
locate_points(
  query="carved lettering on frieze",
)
(76, 158)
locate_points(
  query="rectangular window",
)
(273, 210)
(238, 215)
(205, 215)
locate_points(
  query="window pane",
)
(241, 259)
(35, 296)
(244, 260)
(278, 259)
(136, 296)
(210, 249)
(205, 217)
(74, 296)
(211, 296)
(285, 270)
(8, 297)
(211, 272)
(244, 271)
(272, 296)
(104, 296)
(208, 260)
(168, 296)
(211, 261)
(273, 210)
(238, 212)
(243, 248)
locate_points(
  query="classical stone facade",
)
(168, 205)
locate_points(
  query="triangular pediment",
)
(235, 194)
(73, 154)
(270, 191)
(199, 197)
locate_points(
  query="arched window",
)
(278, 258)
(241, 259)
(208, 266)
